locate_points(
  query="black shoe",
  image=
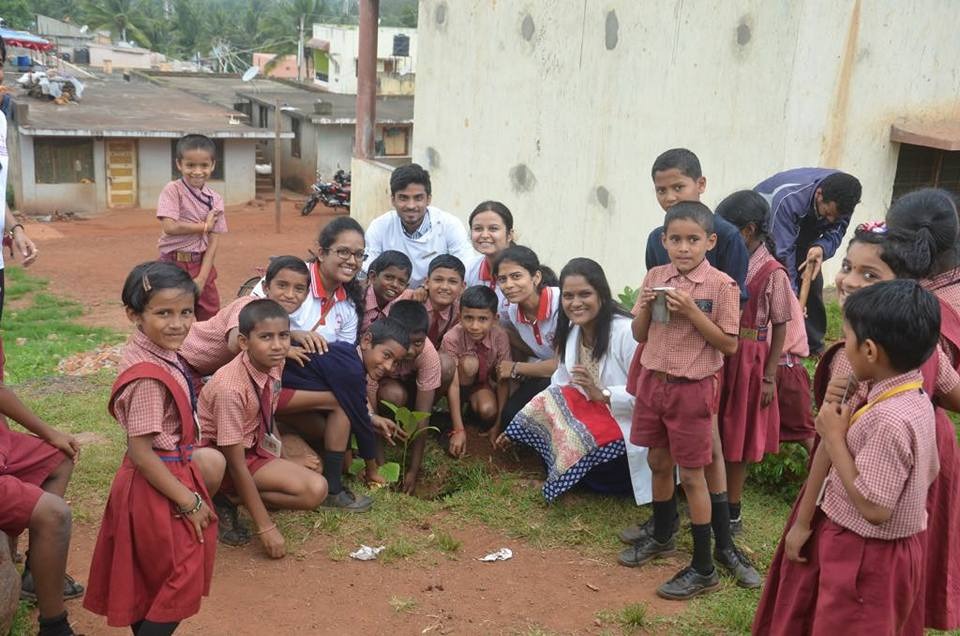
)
(646, 550)
(28, 589)
(688, 583)
(738, 566)
(346, 501)
(736, 527)
(633, 534)
(230, 530)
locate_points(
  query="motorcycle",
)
(334, 194)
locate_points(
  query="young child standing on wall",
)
(192, 220)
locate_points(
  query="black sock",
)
(720, 520)
(664, 512)
(56, 626)
(136, 627)
(734, 510)
(149, 628)
(332, 470)
(702, 559)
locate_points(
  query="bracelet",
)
(196, 507)
(18, 225)
(768, 380)
(513, 372)
(272, 526)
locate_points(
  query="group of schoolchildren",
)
(213, 399)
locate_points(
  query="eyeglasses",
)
(344, 254)
(873, 227)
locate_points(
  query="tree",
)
(124, 18)
(17, 14)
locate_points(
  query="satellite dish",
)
(250, 73)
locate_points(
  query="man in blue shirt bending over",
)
(810, 209)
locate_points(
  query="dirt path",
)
(308, 592)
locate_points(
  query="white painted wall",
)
(344, 48)
(154, 170)
(334, 149)
(553, 103)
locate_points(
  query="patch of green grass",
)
(400, 604)
(39, 334)
(401, 547)
(446, 542)
(23, 624)
(630, 619)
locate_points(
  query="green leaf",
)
(390, 471)
(417, 432)
(356, 466)
(390, 405)
(420, 415)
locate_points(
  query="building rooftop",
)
(114, 107)
(228, 90)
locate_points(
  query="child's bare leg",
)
(308, 425)
(393, 392)
(303, 401)
(468, 368)
(212, 466)
(736, 478)
(483, 402)
(448, 368)
(56, 482)
(661, 467)
(287, 486)
(716, 472)
(49, 544)
(808, 444)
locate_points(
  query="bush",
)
(781, 475)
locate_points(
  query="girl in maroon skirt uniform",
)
(154, 555)
(749, 416)
(855, 552)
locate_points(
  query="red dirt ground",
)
(308, 593)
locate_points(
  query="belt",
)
(672, 379)
(182, 454)
(188, 257)
(758, 335)
(789, 360)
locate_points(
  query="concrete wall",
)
(344, 48)
(583, 99)
(45, 198)
(334, 149)
(286, 68)
(370, 190)
(154, 170)
(120, 58)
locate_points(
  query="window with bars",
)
(63, 160)
(922, 167)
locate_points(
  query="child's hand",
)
(503, 442)
(200, 520)
(838, 389)
(494, 434)
(410, 481)
(458, 443)
(832, 422)
(67, 444)
(680, 302)
(420, 295)
(504, 370)
(385, 428)
(647, 296)
(767, 392)
(211, 220)
(273, 543)
(796, 538)
(311, 341)
(298, 355)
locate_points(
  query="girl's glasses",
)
(344, 254)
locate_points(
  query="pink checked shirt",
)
(795, 343)
(676, 347)
(947, 377)
(894, 447)
(230, 403)
(773, 306)
(205, 347)
(458, 343)
(145, 406)
(425, 366)
(372, 311)
(180, 202)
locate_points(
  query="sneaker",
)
(646, 550)
(736, 526)
(640, 532)
(28, 589)
(738, 566)
(348, 502)
(688, 583)
(230, 530)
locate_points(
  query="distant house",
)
(115, 148)
(284, 68)
(336, 49)
(319, 125)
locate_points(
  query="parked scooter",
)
(334, 194)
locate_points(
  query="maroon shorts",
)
(256, 459)
(17, 502)
(208, 304)
(795, 401)
(677, 416)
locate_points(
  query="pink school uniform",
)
(26, 461)
(205, 347)
(489, 351)
(793, 381)
(748, 430)
(180, 202)
(147, 563)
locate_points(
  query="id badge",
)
(272, 444)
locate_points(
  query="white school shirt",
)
(473, 277)
(446, 235)
(4, 162)
(341, 322)
(539, 335)
(614, 368)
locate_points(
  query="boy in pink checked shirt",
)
(856, 551)
(191, 218)
(677, 392)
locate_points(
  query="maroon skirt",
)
(942, 545)
(849, 585)
(748, 430)
(147, 563)
(795, 401)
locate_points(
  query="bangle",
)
(272, 526)
(513, 372)
(768, 380)
(18, 225)
(186, 512)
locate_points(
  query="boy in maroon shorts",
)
(34, 472)
(236, 413)
(191, 218)
(677, 392)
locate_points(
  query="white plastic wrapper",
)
(366, 553)
(500, 555)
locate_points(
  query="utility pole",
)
(276, 165)
(300, 51)
(366, 80)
